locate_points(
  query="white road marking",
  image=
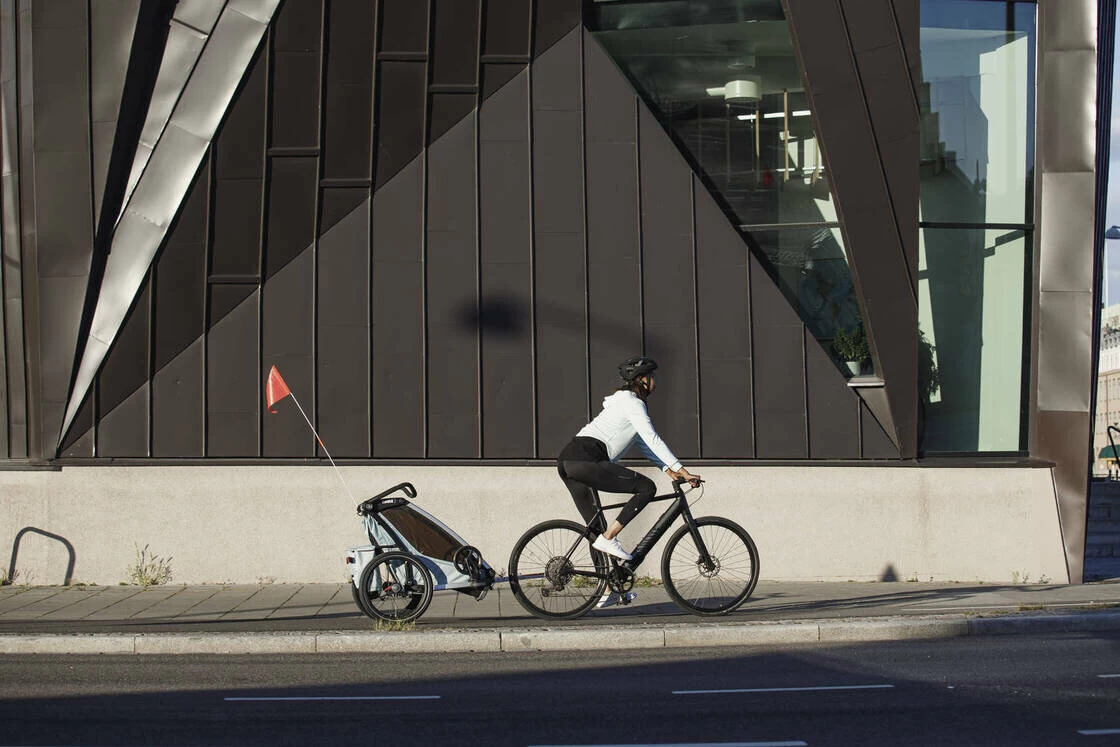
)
(337, 697)
(783, 689)
(685, 744)
(1097, 732)
(1108, 676)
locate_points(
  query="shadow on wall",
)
(12, 570)
(511, 317)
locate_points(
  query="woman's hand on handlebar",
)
(686, 476)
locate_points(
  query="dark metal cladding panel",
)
(556, 79)
(452, 276)
(833, 407)
(404, 26)
(554, 19)
(496, 74)
(291, 211)
(876, 443)
(286, 342)
(777, 336)
(507, 27)
(398, 315)
(668, 285)
(901, 168)
(561, 328)
(504, 117)
(180, 313)
(907, 19)
(177, 413)
(506, 323)
(348, 104)
(558, 167)
(295, 74)
(455, 39)
(234, 395)
(343, 333)
(79, 440)
(339, 203)
(723, 324)
(239, 147)
(123, 432)
(615, 321)
(401, 96)
(610, 100)
(236, 248)
(126, 367)
(448, 110)
(870, 24)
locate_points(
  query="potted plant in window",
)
(852, 348)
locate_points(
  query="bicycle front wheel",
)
(714, 588)
(554, 572)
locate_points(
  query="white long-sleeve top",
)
(623, 420)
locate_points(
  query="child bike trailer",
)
(411, 555)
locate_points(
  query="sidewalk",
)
(283, 618)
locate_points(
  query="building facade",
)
(447, 221)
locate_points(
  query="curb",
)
(850, 630)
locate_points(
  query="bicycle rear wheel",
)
(554, 572)
(714, 589)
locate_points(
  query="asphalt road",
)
(996, 690)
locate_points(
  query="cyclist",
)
(588, 461)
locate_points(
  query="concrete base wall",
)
(292, 524)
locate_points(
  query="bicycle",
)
(709, 566)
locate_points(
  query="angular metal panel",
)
(233, 388)
(239, 153)
(453, 421)
(1070, 24)
(561, 344)
(723, 327)
(237, 227)
(401, 95)
(404, 26)
(777, 338)
(123, 431)
(497, 74)
(454, 55)
(180, 310)
(63, 203)
(504, 115)
(507, 360)
(342, 352)
(111, 27)
(291, 211)
(611, 102)
(504, 206)
(833, 407)
(200, 15)
(397, 298)
(554, 84)
(295, 102)
(1065, 344)
(177, 390)
(1065, 233)
(558, 183)
(126, 367)
(1065, 126)
(447, 110)
(876, 443)
(554, 19)
(287, 333)
(1062, 436)
(507, 30)
(348, 104)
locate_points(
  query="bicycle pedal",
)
(628, 597)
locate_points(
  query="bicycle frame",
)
(679, 507)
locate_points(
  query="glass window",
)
(977, 111)
(723, 78)
(971, 360)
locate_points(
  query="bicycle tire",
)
(380, 601)
(703, 591)
(547, 580)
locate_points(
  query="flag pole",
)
(320, 440)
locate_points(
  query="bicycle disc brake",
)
(620, 579)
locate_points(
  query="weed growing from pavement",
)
(394, 626)
(149, 569)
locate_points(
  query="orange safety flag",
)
(276, 389)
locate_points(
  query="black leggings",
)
(583, 464)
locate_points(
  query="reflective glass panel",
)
(723, 78)
(971, 311)
(977, 111)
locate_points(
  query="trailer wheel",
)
(394, 587)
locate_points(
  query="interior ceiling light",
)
(747, 88)
(776, 115)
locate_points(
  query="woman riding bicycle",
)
(588, 461)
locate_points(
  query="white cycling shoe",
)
(611, 547)
(611, 598)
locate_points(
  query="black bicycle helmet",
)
(639, 365)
